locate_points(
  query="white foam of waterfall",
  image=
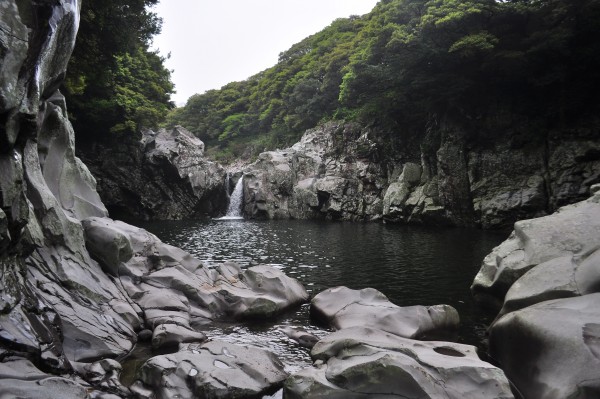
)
(234, 211)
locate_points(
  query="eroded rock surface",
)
(342, 307)
(551, 349)
(211, 370)
(547, 274)
(572, 231)
(159, 176)
(172, 287)
(362, 362)
(343, 171)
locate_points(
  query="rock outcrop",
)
(163, 175)
(361, 362)
(547, 278)
(328, 174)
(211, 370)
(341, 171)
(373, 353)
(342, 308)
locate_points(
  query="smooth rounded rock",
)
(362, 362)
(342, 307)
(551, 350)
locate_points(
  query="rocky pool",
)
(412, 265)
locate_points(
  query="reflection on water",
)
(411, 265)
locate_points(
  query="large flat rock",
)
(211, 370)
(362, 362)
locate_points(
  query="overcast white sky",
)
(216, 42)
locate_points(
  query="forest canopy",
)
(409, 60)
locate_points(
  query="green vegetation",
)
(409, 62)
(115, 84)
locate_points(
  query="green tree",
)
(115, 84)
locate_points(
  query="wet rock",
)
(301, 336)
(47, 388)
(104, 374)
(361, 362)
(551, 349)
(573, 230)
(213, 370)
(19, 378)
(171, 335)
(342, 307)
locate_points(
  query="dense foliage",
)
(410, 60)
(115, 84)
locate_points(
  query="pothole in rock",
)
(446, 351)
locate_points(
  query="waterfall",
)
(234, 211)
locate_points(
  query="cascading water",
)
(234, 211)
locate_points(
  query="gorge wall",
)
(77, 289)
(341, 171)
(160, 175)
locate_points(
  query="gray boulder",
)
(342, 307)
(171, 335)
(362, 362)
(551, 349)
(562, 277)
(573, 230)
(211, 370)
(302, 337)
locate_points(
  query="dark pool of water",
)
(410, 265)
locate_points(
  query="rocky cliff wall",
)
(340, 171)
(161, 175)
(77, 288)
(57, 307)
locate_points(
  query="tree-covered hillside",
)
(409, 61)
(115, 84)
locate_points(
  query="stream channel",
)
(411, 265)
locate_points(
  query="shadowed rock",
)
(550, 350)
(158, 175)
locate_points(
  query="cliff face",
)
(46, 190)
(57, 306)
(338, 171)
(76, 287)
(161, 176)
